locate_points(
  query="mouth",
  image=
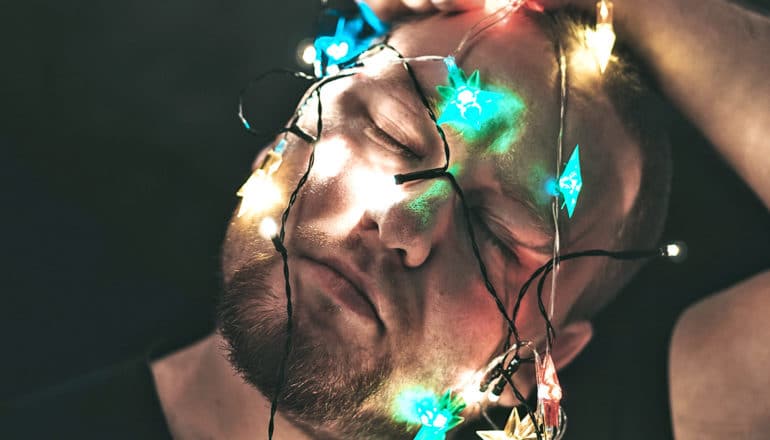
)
(346, 287)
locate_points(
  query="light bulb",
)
(308, 54)
(602, 40)
(268, 228)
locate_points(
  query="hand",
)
(390, 9)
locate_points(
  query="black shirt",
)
(119, 402)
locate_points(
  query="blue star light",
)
(464, 103)
(352, 36)
(436, 415)
(571, 182)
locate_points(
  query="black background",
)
(120, 154)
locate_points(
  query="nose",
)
(415, 225)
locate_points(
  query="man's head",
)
(387, 292)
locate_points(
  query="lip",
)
(360, 301)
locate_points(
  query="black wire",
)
(257, 79)
(280, 246)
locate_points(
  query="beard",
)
(326, 392)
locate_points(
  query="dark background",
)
(120, 154)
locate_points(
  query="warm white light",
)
(330, 157)
(673, 250)
(268, 228)
(258, 194)
(493, 397)
(469, 385)
(308, 54)
(602, 40)
(305, 52)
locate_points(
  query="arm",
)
(720, 387)
(712, 58)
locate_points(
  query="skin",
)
(709, 56)
(433, 322)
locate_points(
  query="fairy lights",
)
(549, 392)
(464, 103)
(473, 109)
(571, 182)
(516, 428)
(436, 416)
(352, 36)
(260, 193)
(602, 40)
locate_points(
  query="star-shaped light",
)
(571, 182)
(464, 103)
(549, 391)
(515, 429)
(437, 419)
(352, 36)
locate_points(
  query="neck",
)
(202, 396)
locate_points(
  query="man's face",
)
(386, 290)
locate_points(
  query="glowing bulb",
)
(330, 158)
(602, 40)
(308, 54)
(676, 251)
(673, 250)
(258, 194)
(493, 397)
(338, 50)
(268, 228)
(469, 385)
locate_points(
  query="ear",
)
(570, 341)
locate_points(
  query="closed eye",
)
(387, 141)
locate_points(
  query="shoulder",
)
(720, 350)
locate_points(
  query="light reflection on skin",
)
(440, 321)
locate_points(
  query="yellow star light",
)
(515, 429)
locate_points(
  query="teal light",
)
(571, 182)
(465, 104)
(417, 406)
(481, 113)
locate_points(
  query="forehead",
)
(514, 56)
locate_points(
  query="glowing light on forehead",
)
(375, 190)
(471, 109)
(330, 158)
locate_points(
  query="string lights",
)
(468, 106)
(602, 39)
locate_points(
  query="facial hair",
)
(325, 389)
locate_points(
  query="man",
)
(431, 318)
(388, 297)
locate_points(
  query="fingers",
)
(391, 9)
(458, 5)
